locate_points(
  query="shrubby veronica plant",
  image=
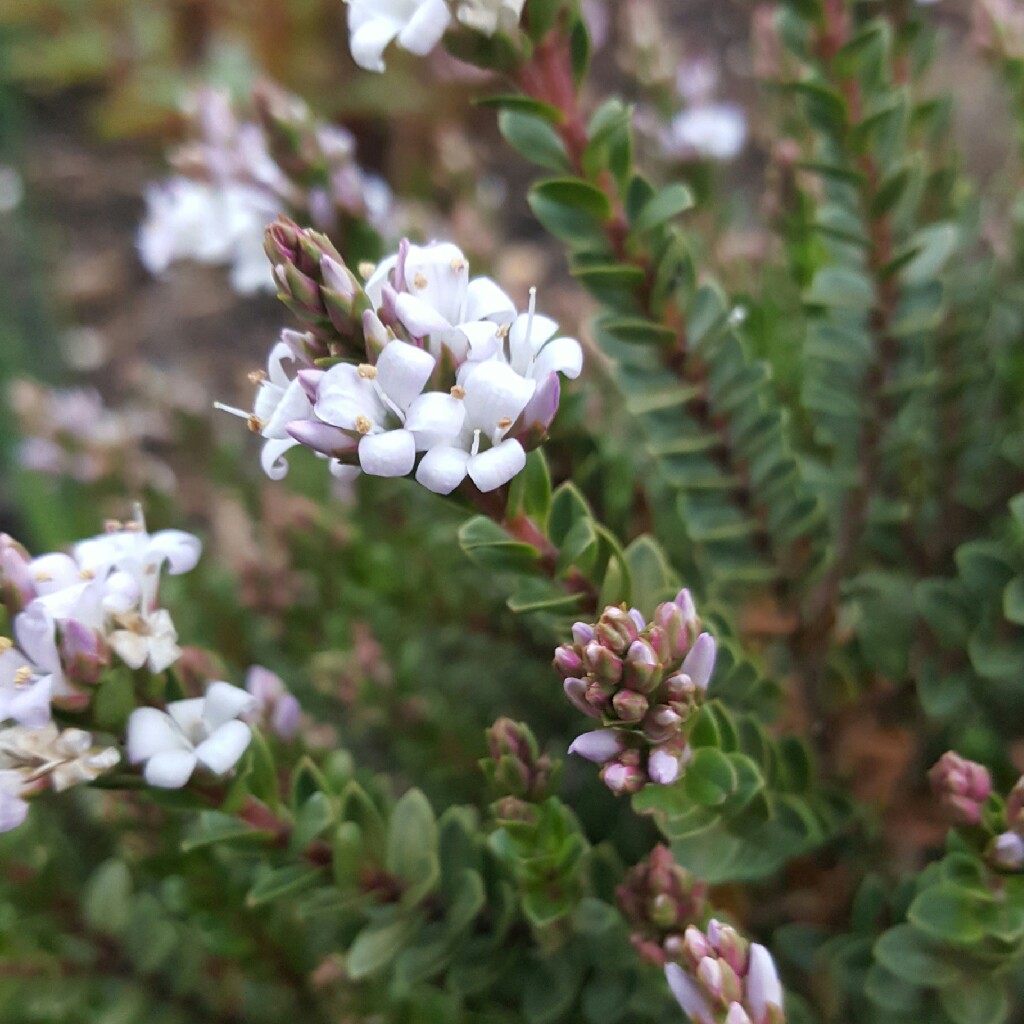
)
(825, 444)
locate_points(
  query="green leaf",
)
(412, 845)
(948, 913)
(652, 577)
(520, 104)
(378, 944)
(530, 490)
(840, 287)
(272, 885)
(574, 194)
(550, 990)
(107, 900)
(665, 204)
(347, 855)
(533, 138)
(469, 900)
(637, 331)
(710, 777)
(905, 952)
(213, 828)
(1013, 601)
(976, 1001)
(316, 815)
(580, 49)
(488, 546)
(888, 991)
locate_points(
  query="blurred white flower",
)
(714, 131)
(199, 731)
(490, 16)
(416, 25)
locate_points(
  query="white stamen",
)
(476, 443)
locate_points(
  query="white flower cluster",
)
(458, 384)
(229, 187)
(707, 129)
(418, 25)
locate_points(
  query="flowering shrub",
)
(662, 667)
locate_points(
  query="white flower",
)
(534, 351)
(383, 404)
(61, 758)
(437, 300)
(200, 731)
(764, 990)
(416, 24)
(24, 690)
(689, 995)
(494, 396)
(717, 131)
(490, 16)
(281, 400)
(213, 224)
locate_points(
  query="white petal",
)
(374, 286)
(35, 631)
(272, 457)
(486, 301)
(130, 647)
(495, 393)
(275, 408)
(188, 716)
(598, 746)
(225, 702)
(30, 705)
(150, 732)
(562, 355)
(442, 469)
(433, 417)
(53, 572)
(179, 549)
(392, 453)
(496, 466)
(402, 372)
(526, 337)
(13, 810)
(220, 753)
(763, 986)
(163, 641)
(280, 354)
(343, 396)
(367, 42)
(419, 317)
(425, 28)
(170, 769)
(482, 336)
(438, 275)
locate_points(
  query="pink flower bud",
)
(309, 381)
(641, 670)
(700, 662)
(961, 786)
(622, 778)
(582, 634)
(16, 585)
(764, 990)
(535, 420)
(1007, 852)
(629, 705)
(737, 1015)
(567, 661)
(669, 616)
(696, 945)
(576, 691)
(286, 718)
(598, 746)
(689, 995)
(84, 653)
(663, 767)
(338, 278)
(709, 974)
(638, 619)
(616, 630)
(661, 723)
(322, 437)
(601, 663)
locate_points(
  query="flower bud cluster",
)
(420, 368)
(720, 978)
(660, 899)
(961, 786)
(643, 681)
(234, 176)
(516, 769)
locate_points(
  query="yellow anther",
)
(257, 376)
(504, 423)
(366, 269)
(87, 574)
(363, 425)
(366, 371)
(254, 423)
(502, 331)
(458, 391)
(43, 577)
(420, 281)
(457, 264)
(6, 643)
(22, 676)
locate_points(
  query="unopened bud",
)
(1006, 852)
(641, 670)
(684, 599)
(662, 910)
(622, 778)
(669, 617)
(616, 630)
(700, 662)
(598, 746)
(602, 663)
(764, 990)
(737, 1015)
(16, 585)
(709, 974)
(338, 278)
(582, 634)
(732, 948)
(83, 652)
(567, 661)
(961, 786)
(629, 705)
(576, 691)
(696, 945)
(663, 767)
(661, 723)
